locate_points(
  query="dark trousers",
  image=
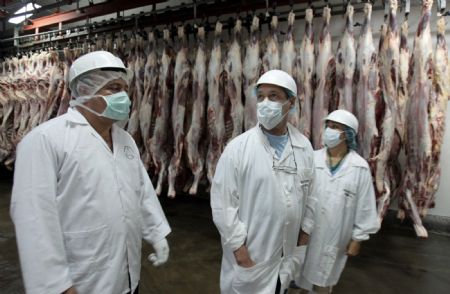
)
(278, 288)
(135, 291)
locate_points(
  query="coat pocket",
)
(260, 278)
(303, 181)
(350, 195)
(87, 251)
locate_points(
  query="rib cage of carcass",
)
(194, 91)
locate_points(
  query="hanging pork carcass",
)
(139, 61)
(403, 96)
(437, 113)
(109, 45)
(182, 91)
(233, 83)
(32, 98)
(251, 72)
(151, 73)
(6, 108)
(271, 57)
(21, 114)
(388, 66)
(43, 84)
(56, 87)
(304, 73)
(216, 107)
(161, 141)
(118, 46)
(325, 80)
(195, 149)
(288, 56)
(345, 65)
(418, 147)
(131, 56)
(27, 102)
(7, 126)
(69, 56)
(367, 88)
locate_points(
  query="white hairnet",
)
(91, 82)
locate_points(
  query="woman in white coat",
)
(346, 211)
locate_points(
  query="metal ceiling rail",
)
(166, 15)
(117, 5)
(181, 13)
(89, 24)
(54, 32)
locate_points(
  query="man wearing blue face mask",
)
(82, 201)
(346, 210)
(261, 196)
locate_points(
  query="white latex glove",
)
(161, 254)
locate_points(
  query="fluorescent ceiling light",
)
(27, 8)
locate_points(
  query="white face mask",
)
(332, 138)
(270, 113)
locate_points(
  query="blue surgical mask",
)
(270, 113)
(332, 137)
(117, 105)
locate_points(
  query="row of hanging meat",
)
(188, 102)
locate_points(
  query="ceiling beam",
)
(87, 12)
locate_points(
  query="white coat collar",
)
(321, 158)
(296, 139)
(352, 159)
(75, 116)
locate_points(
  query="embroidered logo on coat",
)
(128, 152)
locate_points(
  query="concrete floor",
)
(393, 261)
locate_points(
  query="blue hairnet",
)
(289, 93)
(351, 138)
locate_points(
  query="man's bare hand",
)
(303, 239)
(243, 258)
(353, 248)
(71, 290)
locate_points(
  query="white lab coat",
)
(81, 211)
(345, 210)
(255, 205)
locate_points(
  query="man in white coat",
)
(82, 201)
(346, 211)
(261, 195)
